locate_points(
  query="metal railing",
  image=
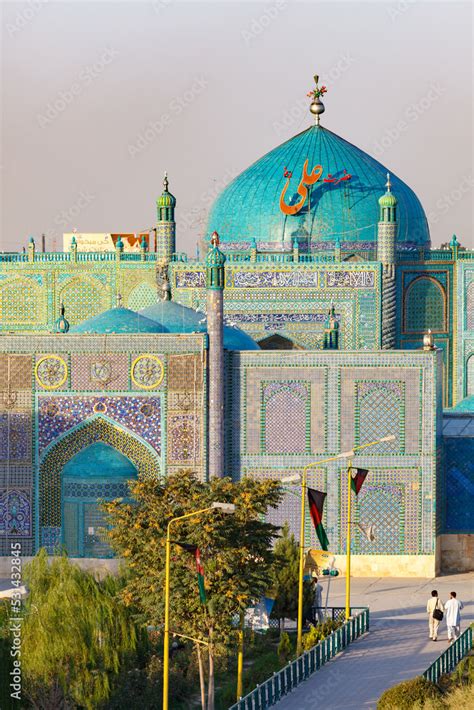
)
(451, 657)
(284, 681)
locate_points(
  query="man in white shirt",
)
(434, 602)
(318, 601)
(453, 617)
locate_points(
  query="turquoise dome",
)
(345, 211)
(176, 318)
(118, 320)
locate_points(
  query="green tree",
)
(236, 552)
(76, 634)
(285, 577)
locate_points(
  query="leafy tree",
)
(75, 635)
(235, 550)
(285, 577)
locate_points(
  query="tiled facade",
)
(85, 391)
(317, 413)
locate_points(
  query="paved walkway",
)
(397, 646)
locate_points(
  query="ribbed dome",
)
(347, 210)
(118, 320)
(176, 318)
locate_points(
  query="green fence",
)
(286, 680)
(451, 657)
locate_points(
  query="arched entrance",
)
(97, 472)
(142, 457)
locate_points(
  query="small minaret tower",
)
(386, 243)
(215, 261)
(331, 331)
(165, 226)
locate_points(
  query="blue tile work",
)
(459, 461)
(41, 430)
(400, 492)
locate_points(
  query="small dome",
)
(176, 318)
(118, 320)
(388, 200)
(166, 199)
(214, 256)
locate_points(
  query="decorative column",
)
(166, 225)
(215, 322)
(331, 331)
(386, 242)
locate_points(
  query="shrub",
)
(404, 695)
(284, 647)
(313, 636)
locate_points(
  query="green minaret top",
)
(215, 261)
(166, 203)
(388, 204)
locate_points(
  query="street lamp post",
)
(225, 508)
(303, 480)
(349, 522)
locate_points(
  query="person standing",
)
(453, 617)
(318, 601)
(435, 611)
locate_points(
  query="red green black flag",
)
(194, 550)
(316, 504)
(358, 478)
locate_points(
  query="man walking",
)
(453, 617)
(435, 611)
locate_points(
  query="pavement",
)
(396, 648)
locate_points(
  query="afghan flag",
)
(358, 479)
(194, 550)
(316, 504)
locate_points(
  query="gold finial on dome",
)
(388, 184)
(165, 181)
(317, 106)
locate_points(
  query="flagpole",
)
(348, 542)
(303, 480)
(299, 639)
(240, 658)
(225, 508)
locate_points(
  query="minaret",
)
(165, 226)
(386, 242)
(331, 331)
(215, 322)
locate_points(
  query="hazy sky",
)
(99, 98)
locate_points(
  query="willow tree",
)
(236, 554)
(76, 634)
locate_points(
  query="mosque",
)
(319, 318)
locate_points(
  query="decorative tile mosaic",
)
(288, 403)
(15, 512)
(15, 437)
(275, 279)
(350, 279)
(57, 415)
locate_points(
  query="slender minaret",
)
(215, 322)
(386, 242)
(165, 226)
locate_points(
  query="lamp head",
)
(388, 438)
(292, 479)
(225, 507)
